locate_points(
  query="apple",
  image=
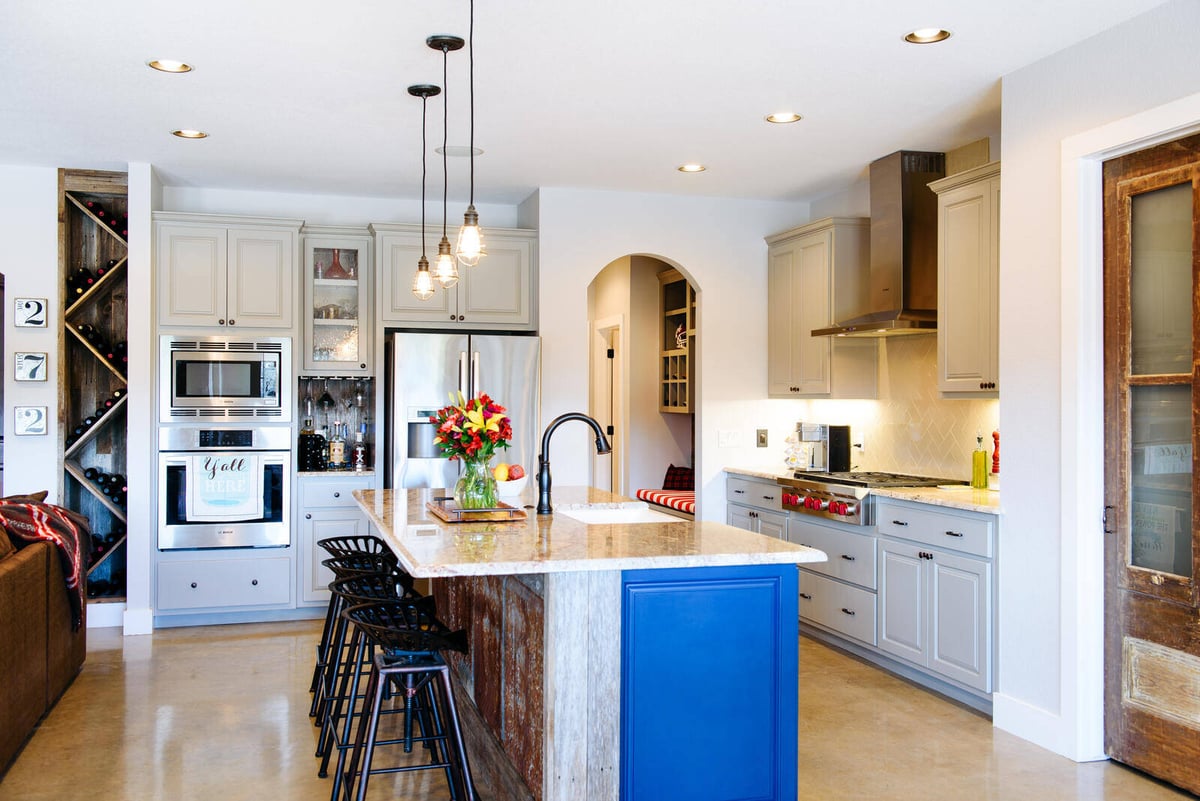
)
(515, 471)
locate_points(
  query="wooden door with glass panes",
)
(1152, 614)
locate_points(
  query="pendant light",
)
(470, 246)
(445, 268)
(423, 281)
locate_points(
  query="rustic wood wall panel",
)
(524, 620)
(1162, 681)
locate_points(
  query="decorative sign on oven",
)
(224, 487)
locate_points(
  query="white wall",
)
(1050, 666)
(719, 244)
(29, 224)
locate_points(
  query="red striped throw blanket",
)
(69, 531)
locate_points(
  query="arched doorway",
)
(643, 380)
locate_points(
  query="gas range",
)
(845, 497)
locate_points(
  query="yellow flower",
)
(477, 422)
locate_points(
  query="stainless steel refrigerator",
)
(423, 371)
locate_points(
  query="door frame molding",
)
(1077, 729)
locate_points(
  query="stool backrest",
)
(406, 627)
(366, 587)
(352, 544)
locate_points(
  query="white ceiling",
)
(310, 95)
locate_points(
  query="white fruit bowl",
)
(509, 489)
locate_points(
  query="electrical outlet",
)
(761, 437)
(729, 438)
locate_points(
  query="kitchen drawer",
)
(327, 492)
(851, 556)
(760, 494)
(954, 531)
(845, 609)
(224, 583)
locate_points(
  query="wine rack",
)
(92, 391)
(678, 306)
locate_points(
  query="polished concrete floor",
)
(221, 714)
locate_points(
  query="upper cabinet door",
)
(498, 290)
(398, 253)
(191, 265)
(338, 311)
(262, 278)
(968, 280)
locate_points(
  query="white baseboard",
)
(139, 621)
(105, 615)
(1040, 727)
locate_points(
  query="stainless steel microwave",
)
(222, 377)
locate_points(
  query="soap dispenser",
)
(979, 465)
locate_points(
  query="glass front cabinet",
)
(337, 297)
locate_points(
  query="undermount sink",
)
(610, 515)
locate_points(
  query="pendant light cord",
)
(471, 62)
(424, 107)
(445, 124)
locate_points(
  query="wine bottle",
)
(91, 473)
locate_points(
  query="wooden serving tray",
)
(448, 511)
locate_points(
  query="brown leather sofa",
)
(40, 653)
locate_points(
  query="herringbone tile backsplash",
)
(910, 429)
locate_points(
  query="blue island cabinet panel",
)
(709, 684)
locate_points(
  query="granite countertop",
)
(769, 473)
(428, 547)
(965, 498)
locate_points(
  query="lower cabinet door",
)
(739, 517)
(224, 583)
(773, 524)
(961, 632)
(902, 614)
(837, 606)
(316, 525)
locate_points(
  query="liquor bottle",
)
(360, 452)
(337, 448)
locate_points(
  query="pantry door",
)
(1152, 603)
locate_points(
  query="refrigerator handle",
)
(462, 373)
(475, 373)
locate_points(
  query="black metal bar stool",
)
(344, 566)
(408, 641)
(342, 679)
(343, 546)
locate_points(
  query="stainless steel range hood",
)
(902, 285)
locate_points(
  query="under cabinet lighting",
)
(691, 168)
(927, 36)
(782, 117)
(189, 133)
(168, 65)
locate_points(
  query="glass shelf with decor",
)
(337, 270)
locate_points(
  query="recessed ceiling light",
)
(454, 151)
(168, 65)
(691, 168)
(188, 133)
(927, 36)
(780, 117)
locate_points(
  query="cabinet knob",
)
(308, 517)
(362, 366)
(220, 322)
(452, 317)
(337, 494)
(253, 582)
(193, 585)
(806, 596)
(461, 318)
(231, 322)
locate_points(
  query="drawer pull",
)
(849, 612)
(193, 585)
(768, 497)
(806, 596)
(739, 492)
(954, 533)
(849, 558)
(899, 523)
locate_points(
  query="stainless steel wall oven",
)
(224, 487)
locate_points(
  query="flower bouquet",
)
(472, 430)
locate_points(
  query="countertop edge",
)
(967, 499)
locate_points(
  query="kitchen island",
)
(617, 660)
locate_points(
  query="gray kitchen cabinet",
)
(936, 597)
(839, 593)
(327, 509)
(968, 281)
(755, 504)
(802, 267)
(224, 272)
(202, 582)
(338, 302)
(499, 292)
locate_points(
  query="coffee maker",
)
(820, 448)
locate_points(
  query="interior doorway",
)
(644, 376)
(1152, 423)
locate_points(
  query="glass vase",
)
(476, 487)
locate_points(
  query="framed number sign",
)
(31, 366)
(30, 313)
